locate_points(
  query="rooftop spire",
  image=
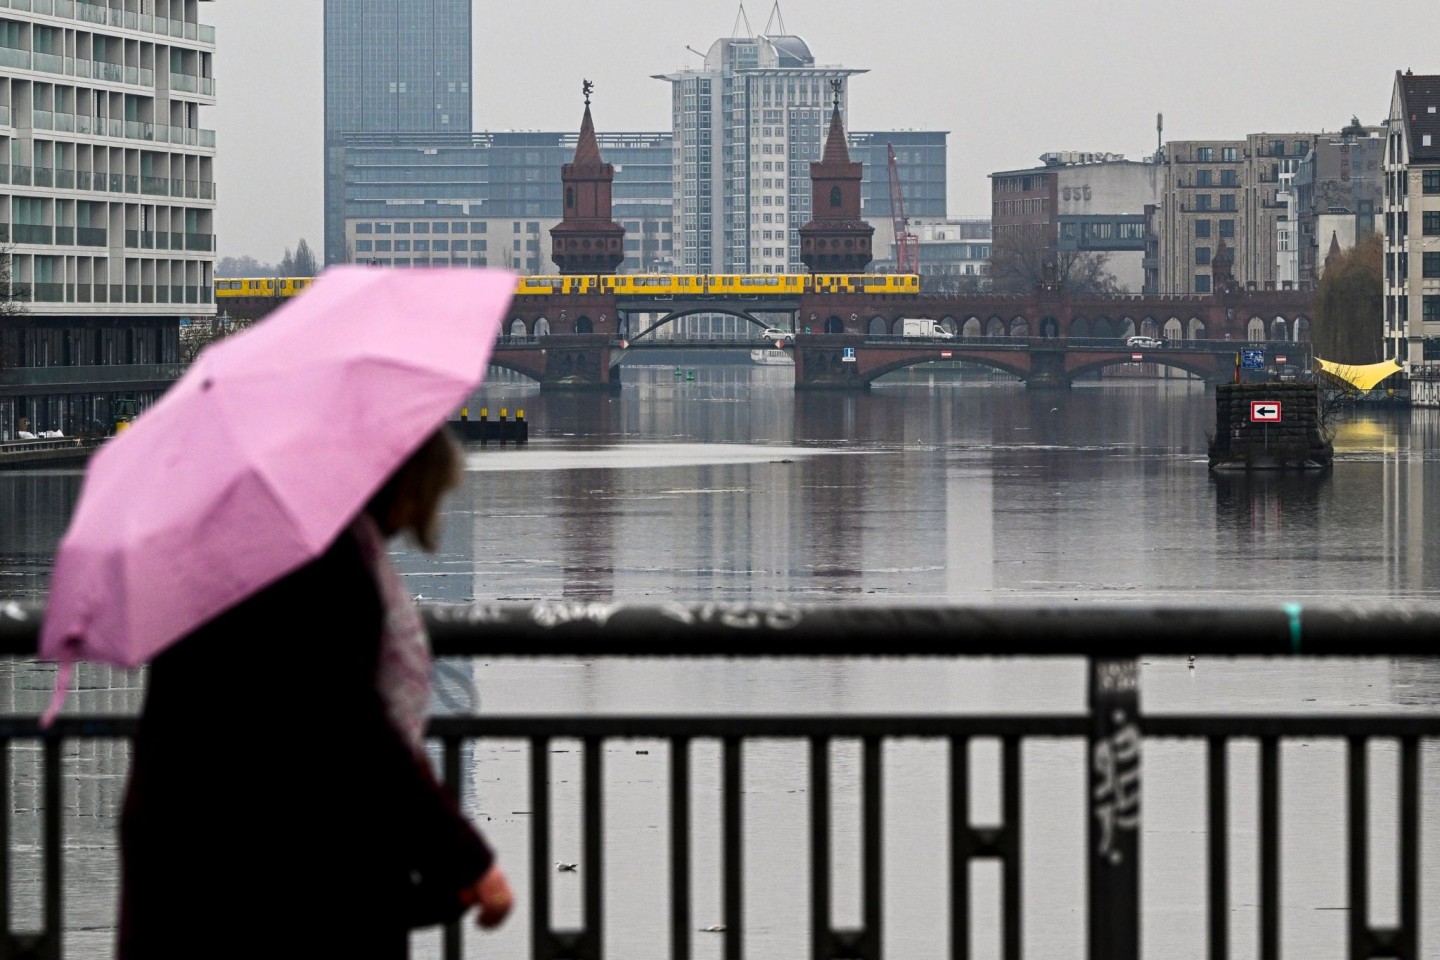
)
(836, 150)
(587, 149)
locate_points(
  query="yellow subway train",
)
(637, 284)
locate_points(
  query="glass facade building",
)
(391, 66)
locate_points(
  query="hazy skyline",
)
(1009, 81)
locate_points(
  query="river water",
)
(732, 487)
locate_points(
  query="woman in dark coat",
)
(279, 803)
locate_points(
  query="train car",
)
(755, 284)
(239, 287)
(653, 284)
(876, 283)
(541, 285)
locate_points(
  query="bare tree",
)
(1350, 305)
(301, 263)
(12, 306)
(1022, 260)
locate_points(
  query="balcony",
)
(33, 233)
(91, 375)
(10, 57)
(91, 236)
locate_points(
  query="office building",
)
(108, 204)
(1338, 191)
(1082, 202)
(1230, 190)
(391, 66)
(491, 199)
(1412, 233)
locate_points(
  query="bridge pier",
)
(1048, 370)
(821, 363)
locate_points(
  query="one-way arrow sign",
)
(1264, 411)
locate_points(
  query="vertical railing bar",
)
(7, 810)
(1358, 827)
(873, 780)
(821, 938)
(54, 922)
(1010, 845)
(1270, 848)
(962, 845)
(1219, 830)
(594, 872)
(733, 859)
(452, 945)
(541, 934)
(1410, 847)
(680, 916)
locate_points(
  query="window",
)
(362, 246)
(1227, 201)
(1430, 181)
(1202, 283)
(364, 228)
(1204, 154)
(1430, 308)
(1229, 178)
(1204, 178)
(1227, 153)
(1301, 148)
(1430, 266)
(1069, 231)
(422, 228)
(1202, 256)
(1430, 225)
(402, 228)
(1227, 228)
(382, 228)
(1202, 228)
(1277, 148)
(1202, 201)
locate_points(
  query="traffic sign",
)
(1252, 359)
(945, 354)
(1264, 411)
(849, 355)
(1279, 359)
(1137, 356)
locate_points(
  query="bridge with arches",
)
(846, 341)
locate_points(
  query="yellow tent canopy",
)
(1362, 376)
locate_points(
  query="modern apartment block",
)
(107, 202)
(1230, 191)
(490, 199)
(1412, 233)
(391, 66)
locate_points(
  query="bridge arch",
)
(1195, 329)
(1103, 328)
(583, 324)
(1150, 327)
(948, 325)
(879, 327)
(1302, 329)
(706, 308)
(517, 327)
(1279, 329)
(833, 324)
(1255, 329)
(972, 328)
(1174, 329)
(542, 327)
(1080, 328)
(1127, 327)
(1049, 328)
(1019, 327)
(995, 327)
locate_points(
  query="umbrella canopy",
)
(252, 463)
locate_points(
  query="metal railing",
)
(1108, 639)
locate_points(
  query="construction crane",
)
(907, 244)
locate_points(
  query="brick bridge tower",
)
(586, 240)
(836, 240)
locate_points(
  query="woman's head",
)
(409, 502)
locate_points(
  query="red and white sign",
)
(1279, 359)
(944, 354)
(1264, 411)
(1137, 356)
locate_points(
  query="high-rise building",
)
(108, 204)
(1412, 233)
(391, 66)
(747, 124)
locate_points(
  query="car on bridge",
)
(1148, 343)
(777, 335)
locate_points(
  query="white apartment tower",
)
(1412, 233)
(747, 125)
(107, 200)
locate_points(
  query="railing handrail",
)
(802, 631)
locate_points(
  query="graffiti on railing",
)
(1115, 761)
(741, 616)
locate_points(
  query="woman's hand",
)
(492, 895)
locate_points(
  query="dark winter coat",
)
(272, 809)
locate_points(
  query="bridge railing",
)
(1112, 727)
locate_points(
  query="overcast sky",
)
(1009, 80)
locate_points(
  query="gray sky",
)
(1010, 79)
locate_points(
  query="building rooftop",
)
(1420, 94)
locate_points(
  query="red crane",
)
(907, 244)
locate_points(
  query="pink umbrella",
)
(252, 463)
